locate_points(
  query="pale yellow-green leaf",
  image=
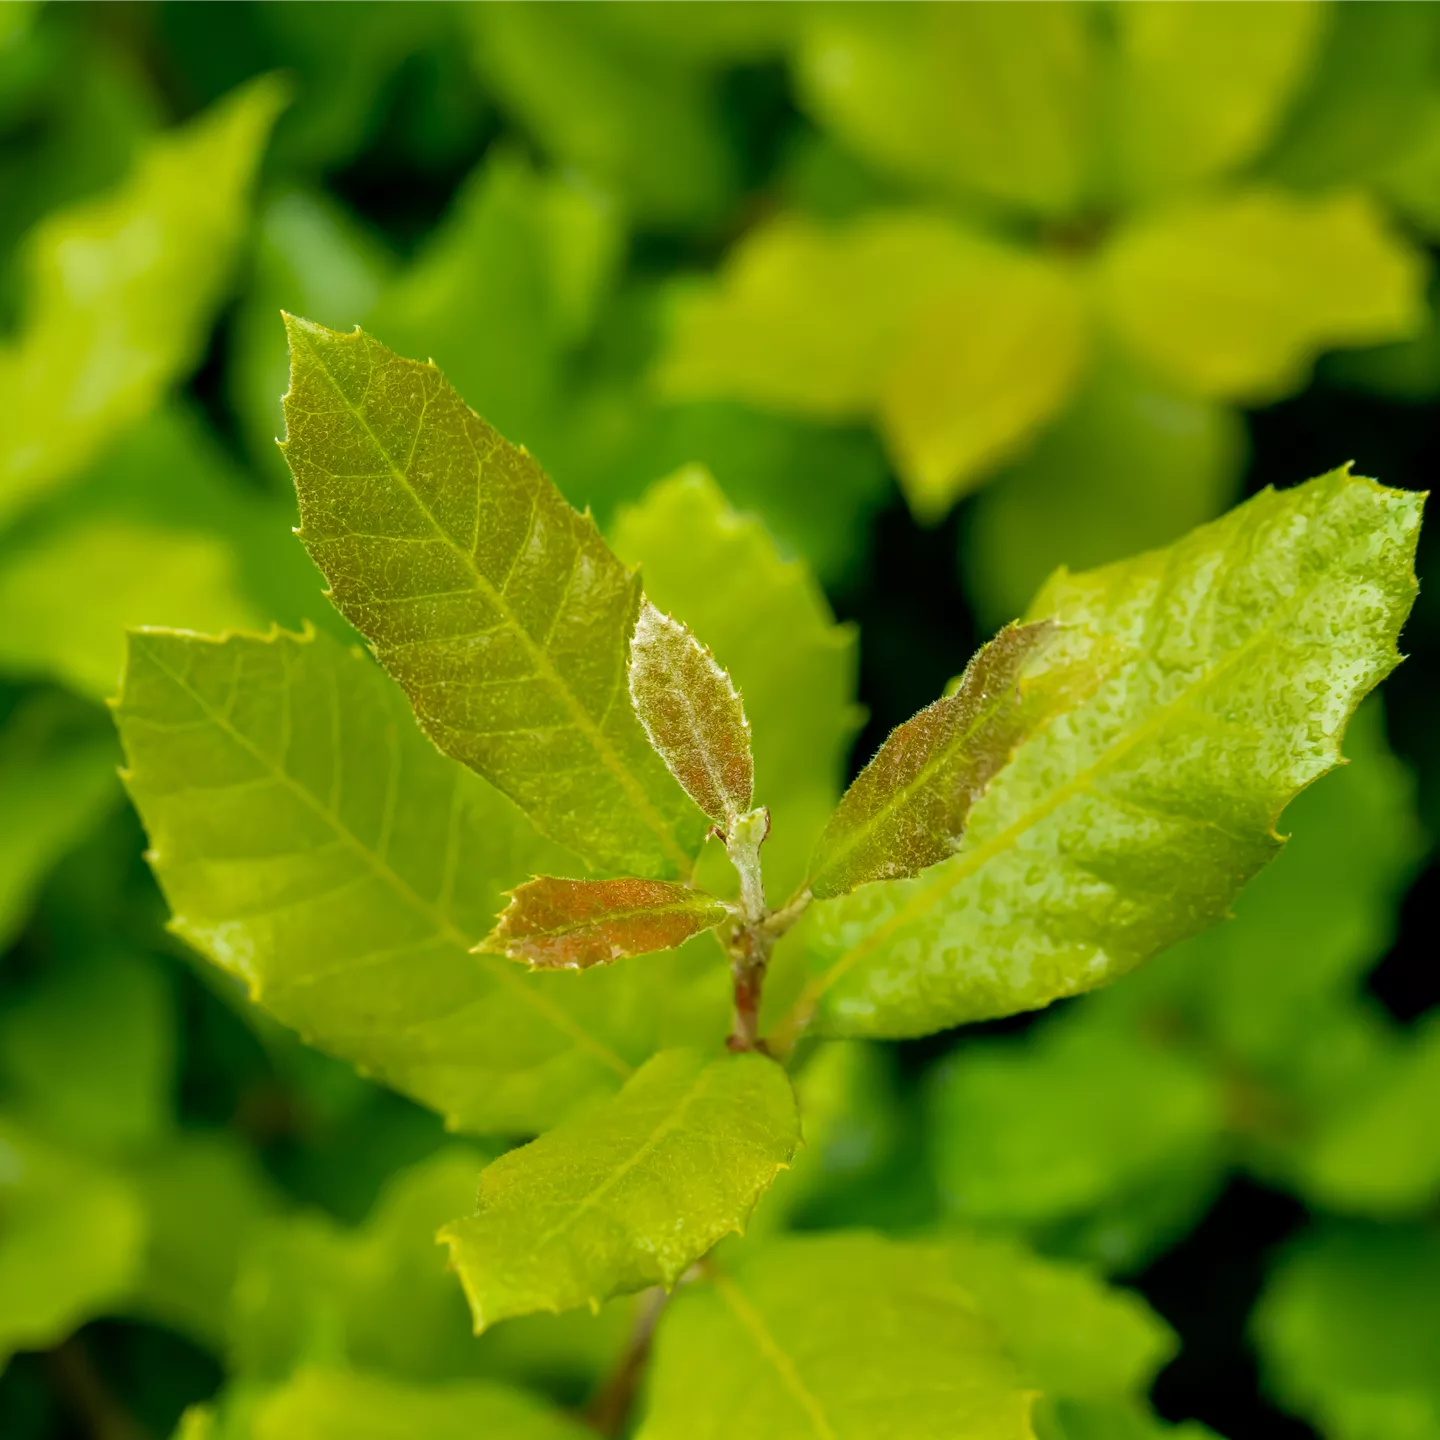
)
(990, 99)
(500, 610)
(313, 844)
(770, 626)
(846, 1336)
(70, 1245)
(956, 345)
(66, 601)
(328, 1404)
(631, 1195)
(1234, 297)
(121, 291)
(1199, 88)
(1238, 656)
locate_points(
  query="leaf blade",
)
(498, 608)
(693, 715)
(906, 809)
(592, 1209)
(295, 838)
(1190, 748)
(555, 924)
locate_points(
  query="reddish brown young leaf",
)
(692, 714)
(556, 924)
(907, 808)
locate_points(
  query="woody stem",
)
(749, 941)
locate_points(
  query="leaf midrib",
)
(968, 863)
(770, 1348)
(902, 797)
(442, 924)
(609, 756)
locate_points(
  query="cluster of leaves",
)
(1083, 238)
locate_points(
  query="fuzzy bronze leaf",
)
(693, 715)
(554, 924)
(907, 808)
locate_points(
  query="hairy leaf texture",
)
(771, 628)
(630, 1195)
(574, 924)
(498, 608)
(693, 715)
(845, 1336)
(313, 844)
(906, 809)
(1132, 820)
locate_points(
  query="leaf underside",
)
(694, 718)
(499, 609)
(632, 1194)
(555, 924)
(906, 809)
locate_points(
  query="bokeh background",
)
(948, 295)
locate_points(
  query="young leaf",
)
(630, 1195)
(312, 843)
(837, 1337)
(772, 629)
(497, 607)
(1132, 821)
(122, 291)
(693, 716)
(574, 924)
(906, 809)
(327, 1404)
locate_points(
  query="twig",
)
(607, 1412)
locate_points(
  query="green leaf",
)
(661, 146)
(1072, 1335)
(1246, 648)
(312, 843)
(906, 809)
(840, 1337)
(122, 291)
(771, 628)
(56, 781)
(573, 924)
(1200, 88)
(1362, 101)
(628, 1196)
(1349, 1331)
(65, 603)
(693, 716)
(1075, 1420)
(311, 258)
(70, 1245)
(995, 100)
(87, 1051)
(323, 1404)
(1074, 1122)
(498, 609)
(1235, 297)
(1129, 466)
(205, 1199)
(1380, 1154)
(958, 346)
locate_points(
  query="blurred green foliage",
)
(1036, 259)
